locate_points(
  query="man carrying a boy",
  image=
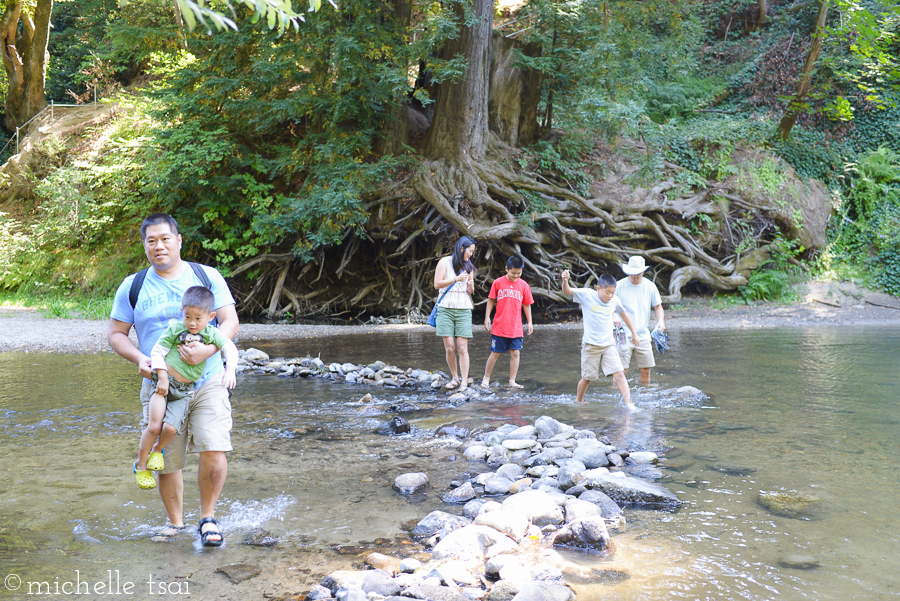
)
(639, 296)
(209, 413)
(598, 348)
(511, 295)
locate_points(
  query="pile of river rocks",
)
(553, 486)
(374, 374)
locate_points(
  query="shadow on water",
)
(810, 413)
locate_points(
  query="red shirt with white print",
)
(510, 297)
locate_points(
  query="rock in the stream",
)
(460, 494)
(544, 591)
(412, 483)
(380, 583)
(792, 504)
(258, 537)
(252, 355)
(438, 521)
(588, 533)
(799, 562)
(630, 492)
(537, 505)
(473, 542)
(239, 572)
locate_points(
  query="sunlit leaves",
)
(865, 50)
(277, 13)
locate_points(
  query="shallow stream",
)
(808, 410)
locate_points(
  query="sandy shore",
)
(844, 304)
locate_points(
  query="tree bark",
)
(796, 104)
(514, 93)
(394, 131)
(763, 13)
(459, 132)
(25, 59)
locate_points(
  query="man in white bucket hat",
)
(639, 296)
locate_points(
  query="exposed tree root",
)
(389, 269)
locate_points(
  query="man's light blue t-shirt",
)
(159, 302)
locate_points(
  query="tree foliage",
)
(262, 131)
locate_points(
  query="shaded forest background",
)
(738, 146)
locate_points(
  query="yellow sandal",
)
(156, 461)
(144, 478)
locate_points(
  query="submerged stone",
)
(733, 469)
(792, 505)
(258, 537)
(239, 572)
(799, 562)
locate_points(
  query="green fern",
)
(764, 285)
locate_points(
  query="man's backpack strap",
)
(136, 286)
(201, 275)
(139, 281)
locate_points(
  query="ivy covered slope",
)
(325, 169)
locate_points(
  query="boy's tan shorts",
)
(208, 422)
(643, 354)
(595, 357)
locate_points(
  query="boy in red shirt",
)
(510, 295)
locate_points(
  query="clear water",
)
(810, 410)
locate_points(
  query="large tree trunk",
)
(25, 59)
(514, 93)
(460, 127)
(796, 104)
(394, 131)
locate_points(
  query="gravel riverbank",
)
(25, 330)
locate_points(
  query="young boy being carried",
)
(510, 294)
(169, 404)
(598, 348)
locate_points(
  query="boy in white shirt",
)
(598, 349)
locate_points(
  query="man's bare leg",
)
(171, 491)
(582, 388)
(645, 375)
(211, 475)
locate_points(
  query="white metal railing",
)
(22, 127)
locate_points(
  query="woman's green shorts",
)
(454, 322)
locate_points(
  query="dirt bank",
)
(820, 304)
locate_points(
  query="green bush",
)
(890, 276)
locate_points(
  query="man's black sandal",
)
(204, 536)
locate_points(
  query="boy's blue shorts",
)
(499, 344)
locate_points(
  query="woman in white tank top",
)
(454, 317)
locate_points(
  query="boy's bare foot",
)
(633, 408)
(514, 385)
